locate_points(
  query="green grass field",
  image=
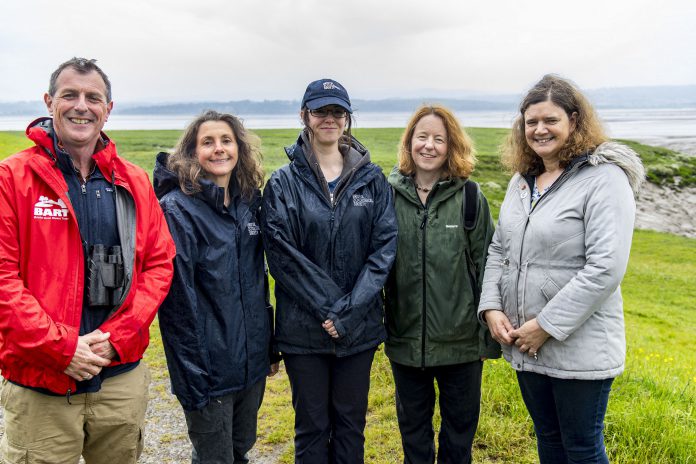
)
(651, 416)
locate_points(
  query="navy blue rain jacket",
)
(215, 322)
(329, 261)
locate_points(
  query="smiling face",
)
(326, 130)
(217, 151)
(547, 128)
(79, 108)
(429, 145)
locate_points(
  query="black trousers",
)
(460, 399)
(329, 395)
(225, 430)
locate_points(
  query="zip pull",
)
(425, 219)
(68, 395)
(98, 194)
(84, 189)
(331, 197)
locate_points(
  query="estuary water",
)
(672, 128)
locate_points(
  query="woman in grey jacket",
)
(551, 292)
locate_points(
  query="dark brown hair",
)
(184, 161)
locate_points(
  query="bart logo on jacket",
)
(46, 208)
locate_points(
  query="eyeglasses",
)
(338, 113)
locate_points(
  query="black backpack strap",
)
(470, 194)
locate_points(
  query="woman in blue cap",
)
(330, 237)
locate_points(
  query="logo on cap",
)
(331, 86)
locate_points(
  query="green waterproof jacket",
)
(432, 291)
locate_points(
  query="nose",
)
(429, 142)
(81, 103)
(541, 127)
(218, 147)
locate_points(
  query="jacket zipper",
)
(520, 307)
(423, 228)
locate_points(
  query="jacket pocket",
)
(549, 289)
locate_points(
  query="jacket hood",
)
(623, 157)
(165, 181)
(405, 186)
(353, 154)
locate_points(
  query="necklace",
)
(423, 189)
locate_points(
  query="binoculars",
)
(105, 276)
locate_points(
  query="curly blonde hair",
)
(248, 171)
(461, 155)
(517, 156)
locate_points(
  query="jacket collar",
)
(41, 132)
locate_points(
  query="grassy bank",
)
(651, 415)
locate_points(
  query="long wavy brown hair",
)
(461, 155)
(517, 156)
(248, 172)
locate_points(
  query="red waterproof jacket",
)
(42, 263)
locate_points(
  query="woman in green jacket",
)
(432, 292)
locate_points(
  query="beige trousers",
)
(105, 427)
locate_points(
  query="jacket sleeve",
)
(479, 241)
(130, 325)
(490, 290)
(178, 316)
(351, 309)
(26, 330)
(303, 280)
(609, 217)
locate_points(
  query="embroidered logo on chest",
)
(253, 228)
(361, 200)
(49, 209)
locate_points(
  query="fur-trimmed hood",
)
(623, 157)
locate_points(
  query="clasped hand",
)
(528, 338)
(94, 351)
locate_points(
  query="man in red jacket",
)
(85, 261)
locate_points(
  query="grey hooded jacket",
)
(562, 261)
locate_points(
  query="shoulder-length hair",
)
(248, 172)
(587, 135)
(461, 155)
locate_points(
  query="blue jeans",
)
(460, 399)
(568, 417)
(225, 430)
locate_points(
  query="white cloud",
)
(217, 49)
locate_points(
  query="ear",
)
(573, 121)
(109, 107)
(48, 100)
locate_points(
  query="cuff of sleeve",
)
(550, 329)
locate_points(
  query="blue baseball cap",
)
(326, 92)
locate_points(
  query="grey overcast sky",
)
(184, 50)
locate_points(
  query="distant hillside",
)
(623, 97)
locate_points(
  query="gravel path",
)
(166, 439)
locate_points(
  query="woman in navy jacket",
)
(216, 320)
(330, 236)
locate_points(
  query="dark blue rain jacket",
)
(329, 257)
(215, 322)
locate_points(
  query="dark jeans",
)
(225, 430)
(568, 417)
(460, 399)
(329, 395)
